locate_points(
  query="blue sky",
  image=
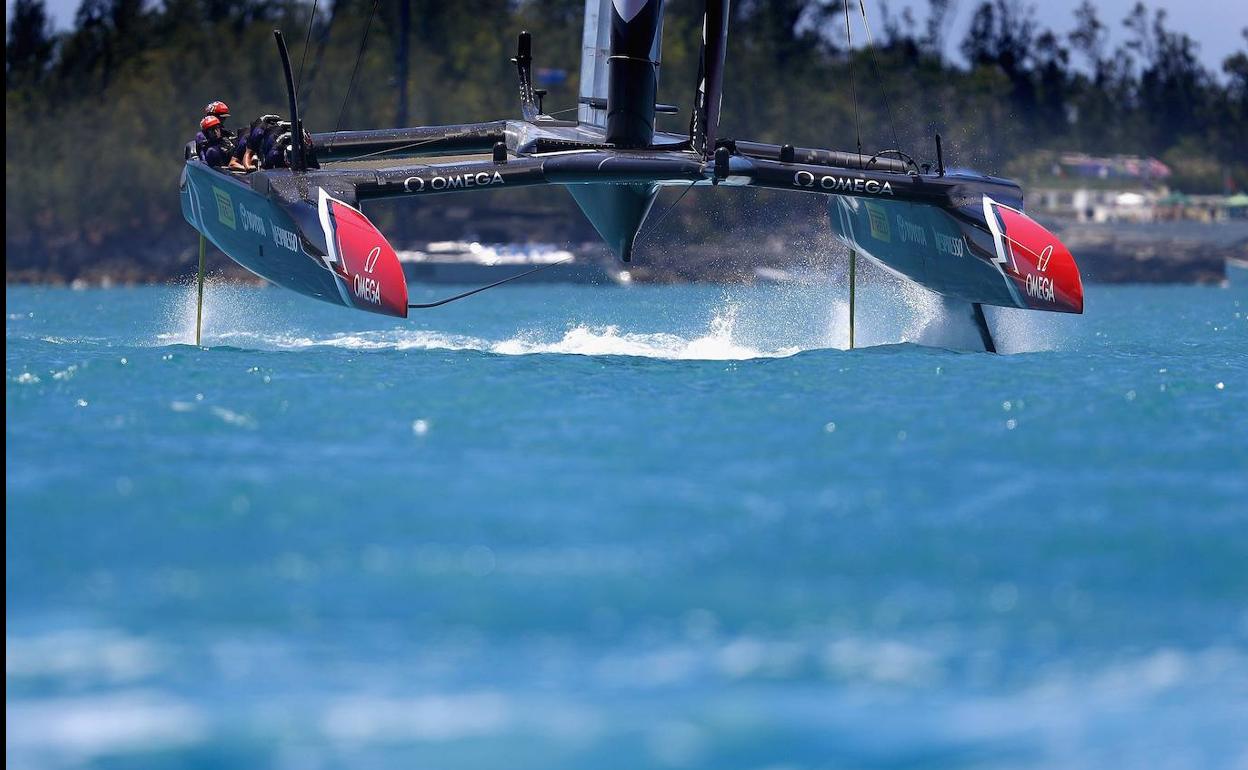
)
(1214, 24)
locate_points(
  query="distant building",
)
(1123, 188)
(1077, 165)
(1097, 204)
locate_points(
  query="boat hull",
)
(983, 252)
(325, 249)
(254, 232)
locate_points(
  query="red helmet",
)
(210, 122)
(220, 109)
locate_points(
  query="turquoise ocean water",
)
(577, 527)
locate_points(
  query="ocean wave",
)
(79, 729)
(367, 719)
(106, 656)
(722, 341)
(718, 344)
(742, 325)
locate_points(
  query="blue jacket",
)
(216, 154)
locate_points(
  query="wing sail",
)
(595, 48)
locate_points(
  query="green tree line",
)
(98, 114)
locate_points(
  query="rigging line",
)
(375, 153)
(853, 87)
(560, 112)
(356, 68)
(479, 289)
(654, 227)
(422, 142)
(879, 74)
(307, 39)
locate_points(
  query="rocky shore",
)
(1154, 252)
(1159, 252)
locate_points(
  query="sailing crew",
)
(220, 111)
(273, 148)
(276, 146)
(238, 158)
(247, 154)
(218, 146)
(250, 151)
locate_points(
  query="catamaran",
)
(961, 234)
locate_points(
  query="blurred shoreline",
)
(1182, 252)
(1154, 252)
(1059, 107)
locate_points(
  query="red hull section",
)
(1039, 265)
(368, 271)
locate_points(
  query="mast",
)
(704, 122)
(633, 71)
(404, 35)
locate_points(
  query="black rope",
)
(479, 289)
(654, 227)
(853, 88)
(879, 76)
(307, 39)
(356, 69)
(376, 153)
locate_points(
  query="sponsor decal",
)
(842, 184)
(252, 223)
(414, 184)
(1042, 264)
(225, 207)
(1040, 287)
(285, 238)
(1034, 260)
(368, 273)
(367, 288)
(879, 223)
(910, 232)
(947, 244)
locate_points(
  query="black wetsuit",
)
(217, 152)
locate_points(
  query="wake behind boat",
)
(961, 234)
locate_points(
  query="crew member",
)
(279, 150)
(274, 146)
(218, 146)
(267, 144)
(238, 158)
(250, 150)
(220, 111)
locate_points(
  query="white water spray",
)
(771, 321)
(228, 306)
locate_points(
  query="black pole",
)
(479, 289)
(296, 126)
(405, 24)
(985, 334)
